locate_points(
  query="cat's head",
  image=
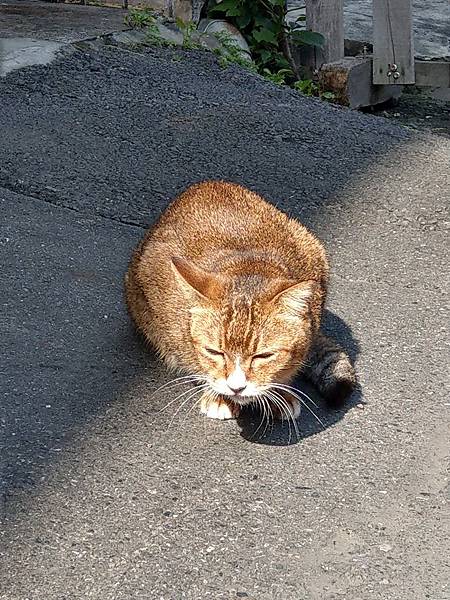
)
(248, 332)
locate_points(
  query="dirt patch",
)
(418, 111)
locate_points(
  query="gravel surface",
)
(104, 496)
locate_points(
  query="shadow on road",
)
(67, 345)
(69, 351)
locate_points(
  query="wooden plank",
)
(325, 17)
(433, 73)
(393, 45)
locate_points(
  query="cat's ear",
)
(292, 295)
(207, 285)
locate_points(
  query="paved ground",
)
(417, 110)
(33, 32)
(57, 22)
(102, 496)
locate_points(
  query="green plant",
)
(270, 37)
(138, 18)
(309, 88)
(279, 77)
(306, 87)
(330, 96)
(144, 18)
(188, 29)
(263, 23)
(230, 52)
(153, 36)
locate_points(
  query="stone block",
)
(186, 10)
(350, 79)
(220, 26)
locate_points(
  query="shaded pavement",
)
(104, 496)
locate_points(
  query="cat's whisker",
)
(267, 413)
(307, 407)
(290, 411)
(261, 413)
(174, 400)
(294, 391)
(185, 401)
(283, 407)
(177, 382)
(199, 388)
(194, 405)
(210, 396)
(262, 410)
(274, 400)
(270, 414)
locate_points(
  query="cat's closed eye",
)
(263, 355)
(214, 352)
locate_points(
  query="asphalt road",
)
(104, 496)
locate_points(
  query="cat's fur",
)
(227, 287)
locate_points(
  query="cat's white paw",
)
(217, 409)
(294, 409)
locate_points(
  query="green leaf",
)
(282, 62)
(234, 12)
(328, 95)
(307, 38)
(306, 86)
(262, 21)
(224, 6)
(266, 55)
(243, 20)
(265, 35)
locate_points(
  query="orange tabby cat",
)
(229, 289)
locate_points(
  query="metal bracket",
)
(393, 71)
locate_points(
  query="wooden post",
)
(432, 73)
(325, 17)
(393, 48)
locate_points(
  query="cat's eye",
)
(263, 355)
(214, 352)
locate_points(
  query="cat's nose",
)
(237, 390)
(237, 381)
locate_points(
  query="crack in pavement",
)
(40, 196)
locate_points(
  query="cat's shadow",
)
(316, 415)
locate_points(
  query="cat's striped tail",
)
(329, 368)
